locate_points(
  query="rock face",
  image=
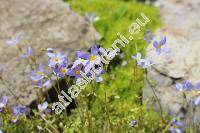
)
(42, 24)
(182, 28)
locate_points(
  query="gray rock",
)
(42, 24)
(181, 26)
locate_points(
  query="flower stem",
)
(46, 121)
(154, 92)
(16, 97)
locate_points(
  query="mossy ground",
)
(109, 106)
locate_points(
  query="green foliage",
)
(121, 91)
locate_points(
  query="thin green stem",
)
(52, 84)
(16, 97)
(57, 78)
(108, 114)
(154, 92)
(87, 111)
(79, 115)
(47, 122)
(166, 128)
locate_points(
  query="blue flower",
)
(50, 50)
(46, 83)
(12, 42)
(148, 36)
(147, 63)
(134, 123)
(57, 60)
(58, 63)
(16, 114)
(138, 57)
(61, 71)
(76, 71)
(161, 46)
(17, 111)
(197, 86)
(99, 79)
(82, 58)
(23, 109)
(197, 101)
(98, 76)
(186, 86)
(88, 60)
(94, 59)
(179, 86)
(3, 103)
(144, 63)
(175, 126)
(42, 107)
(28, 53)
(38, 75)
(91, 17)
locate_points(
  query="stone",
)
(181, 26)
(42, 24)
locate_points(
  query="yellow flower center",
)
(82, 60)
(93, 57)
(78, 72)
(159, 46)
(56, 60)
(14, 118)
(175, 126)
(39, 73)
(64, 70)
(35, 81)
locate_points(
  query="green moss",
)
(121, 90)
